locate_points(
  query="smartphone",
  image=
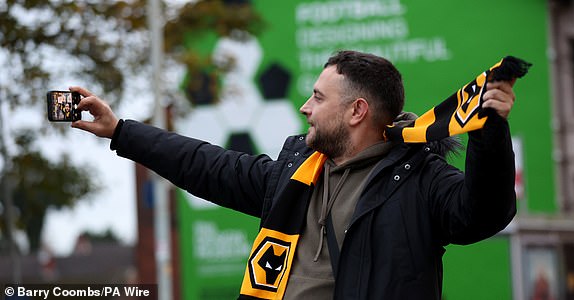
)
(62, 106)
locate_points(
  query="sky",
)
(112, 208)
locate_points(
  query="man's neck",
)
(358, 143)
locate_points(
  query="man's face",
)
(325, 114)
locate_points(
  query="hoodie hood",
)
(449, 146)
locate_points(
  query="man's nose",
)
(305, 108)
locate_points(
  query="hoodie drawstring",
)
(327, 203)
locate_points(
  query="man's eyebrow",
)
(317, 92)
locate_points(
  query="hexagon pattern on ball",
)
(244, 117)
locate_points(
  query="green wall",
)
(478, 271)
(438, 46)
(214, 243)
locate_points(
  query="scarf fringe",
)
(510, 68)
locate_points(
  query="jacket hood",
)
(450, 146)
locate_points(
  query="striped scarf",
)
(271, 257)
(461, 112)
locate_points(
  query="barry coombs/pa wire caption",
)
(79, 291)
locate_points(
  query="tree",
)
(92, 41)
(107, 236)
(51, 43)
(39, 184)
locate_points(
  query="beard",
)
(333, 143)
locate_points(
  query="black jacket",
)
(413, 205)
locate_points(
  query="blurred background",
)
(234, 73)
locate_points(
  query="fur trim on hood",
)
(450, 146)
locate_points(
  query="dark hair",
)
(373, 78)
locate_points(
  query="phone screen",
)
(62, 106)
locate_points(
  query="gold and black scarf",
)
(461, 112)
(273, 250)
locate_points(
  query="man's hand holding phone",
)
(105, 121)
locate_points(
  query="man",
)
(66, 111)
(344, 213)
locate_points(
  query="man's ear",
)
(359, 111)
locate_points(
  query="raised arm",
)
(480, 202)
(228, 178)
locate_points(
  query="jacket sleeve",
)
(228, 178)
(478, 203)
